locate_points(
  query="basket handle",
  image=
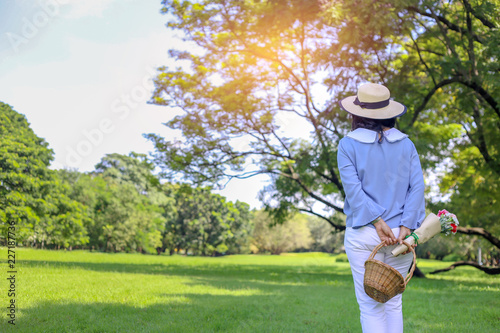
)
(410, 274)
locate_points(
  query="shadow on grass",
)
(283, 308)
(266, 273)
(288, 299)
(291, 298)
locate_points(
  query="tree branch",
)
(480, 232)
(473, 85)
(444, 33)
(487, 270)
(470, 49)
(439, 18)
(422, 60)
(480, 141)
(310, 211)
(428, 97)
(313, 195)
(479, 17)
(484, 94)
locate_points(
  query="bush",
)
(453, 257)
(292, 235)
(323, 236)
(341, 258)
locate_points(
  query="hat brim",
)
(394, 109)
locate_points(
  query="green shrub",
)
(453, 257)
(341, 258)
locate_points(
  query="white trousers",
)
(375, 317)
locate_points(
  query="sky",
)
(81, 72)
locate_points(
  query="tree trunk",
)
(418, 273)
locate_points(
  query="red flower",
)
(442, 212)
(453, 228)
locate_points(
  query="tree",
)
(134, 169)
(205, 223)
(130, 210)
(469, 72)
(291, 235)
(32, 197)
(260, 64)
(325, 239)
(257, 65)
(451, 64)
(124, 199)
(446, 55)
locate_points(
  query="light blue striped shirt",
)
(381, 179)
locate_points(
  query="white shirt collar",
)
(368, 136)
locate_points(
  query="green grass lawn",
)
(79, 291)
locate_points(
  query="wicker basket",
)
(382, 282)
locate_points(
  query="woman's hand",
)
(384, 232)
(403, 233)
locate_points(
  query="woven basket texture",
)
(381, 281)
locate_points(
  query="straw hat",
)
(373, 101)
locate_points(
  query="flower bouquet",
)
(444, 222)
(448, 222)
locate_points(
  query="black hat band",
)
(375, 105)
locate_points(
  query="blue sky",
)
(81, 73)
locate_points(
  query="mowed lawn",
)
(80, 291)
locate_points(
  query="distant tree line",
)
(120, 206)
(123, 206)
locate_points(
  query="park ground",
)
(81, 291)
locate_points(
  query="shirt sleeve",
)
(414, 208)
(364, 209)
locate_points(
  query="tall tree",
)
(124, 198)
(442, 59)
(291, 235)
(205, 223)
(32, 197)
(458, 51)
(262, 66)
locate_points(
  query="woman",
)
(384, 187)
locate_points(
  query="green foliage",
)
(292, 235)
(134, 169)
(342, 257)
(441, 60)
(127, 209)
(452, 257)
(131, 211)
(205, 223)
(32, 197)
(446, 70)
(324, 238)
(261, 63)
(254, 74)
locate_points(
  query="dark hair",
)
(372, 124)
